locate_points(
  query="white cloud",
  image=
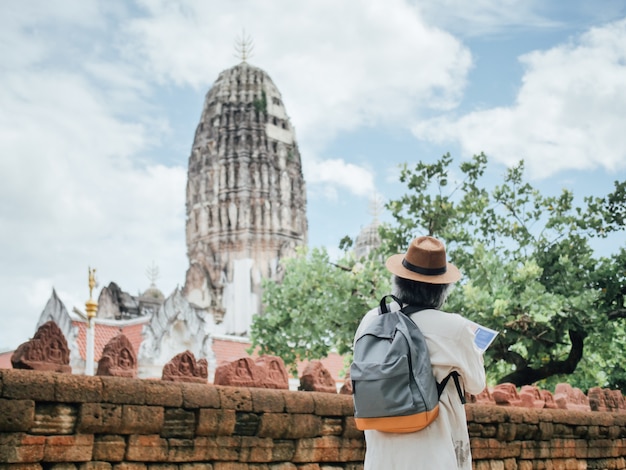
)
(76, 186)
(83, 90)
(331, 174)
(484, 17)
(339, 64)
(568, 113)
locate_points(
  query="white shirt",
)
(444, 444)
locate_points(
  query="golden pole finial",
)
(91, 306)
(92, 280)
(244, 46)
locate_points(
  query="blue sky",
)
(99, 102)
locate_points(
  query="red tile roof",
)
(227, 350)
(5, 360)
(103, 333)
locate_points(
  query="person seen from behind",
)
(422, 277)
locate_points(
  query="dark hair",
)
(420, 293)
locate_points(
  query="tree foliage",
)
(529, 272)
(317, 306)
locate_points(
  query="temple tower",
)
(246, 197)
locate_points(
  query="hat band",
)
(424, 271)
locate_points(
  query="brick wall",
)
(61, 421)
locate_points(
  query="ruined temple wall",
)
(79, 422)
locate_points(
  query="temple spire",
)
(376, 206)
(244, 46)
(152, 273)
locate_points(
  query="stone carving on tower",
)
(246, 197)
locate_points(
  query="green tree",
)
(530, 271)
(316, 308)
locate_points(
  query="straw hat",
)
(424, 261)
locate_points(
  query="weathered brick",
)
(28, 384)
(301, 425)
(62, 466)
(95, 466)
(76, 448)
(199, 396)
(283, 466)
(16, 415)
(207, 448)
(230, 466)
(283, 450)
(487, 413)
(99, 418)
(320, 449)
(613, 432)
(535, 450)
(486, 465)
(123, 390)
(178, 423)
(510, 464)
(109, 448)
(267, 401)
(164, 393)
(298, 402)
(227, 447)
(274, 425)
(327, 404)
(70, 388)
(54, 418)
(215, 422)
(130, 466)
(483, 449)
(185, 450)
(195, 466)
(510, 449)
(137, 419)
(247, 424)
(350, 430)
(152, 448)
(21, 448)
(21, 466)
(332, 427)
(546, 431)
(352, 450)
(256, 449)
(235, 398)
(506, 431)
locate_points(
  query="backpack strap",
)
(455, 376)
(384, 306)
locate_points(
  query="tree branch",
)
(615, 314)
(528, 375)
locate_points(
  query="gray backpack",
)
(394, 389)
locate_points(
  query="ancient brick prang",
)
(246, 199)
